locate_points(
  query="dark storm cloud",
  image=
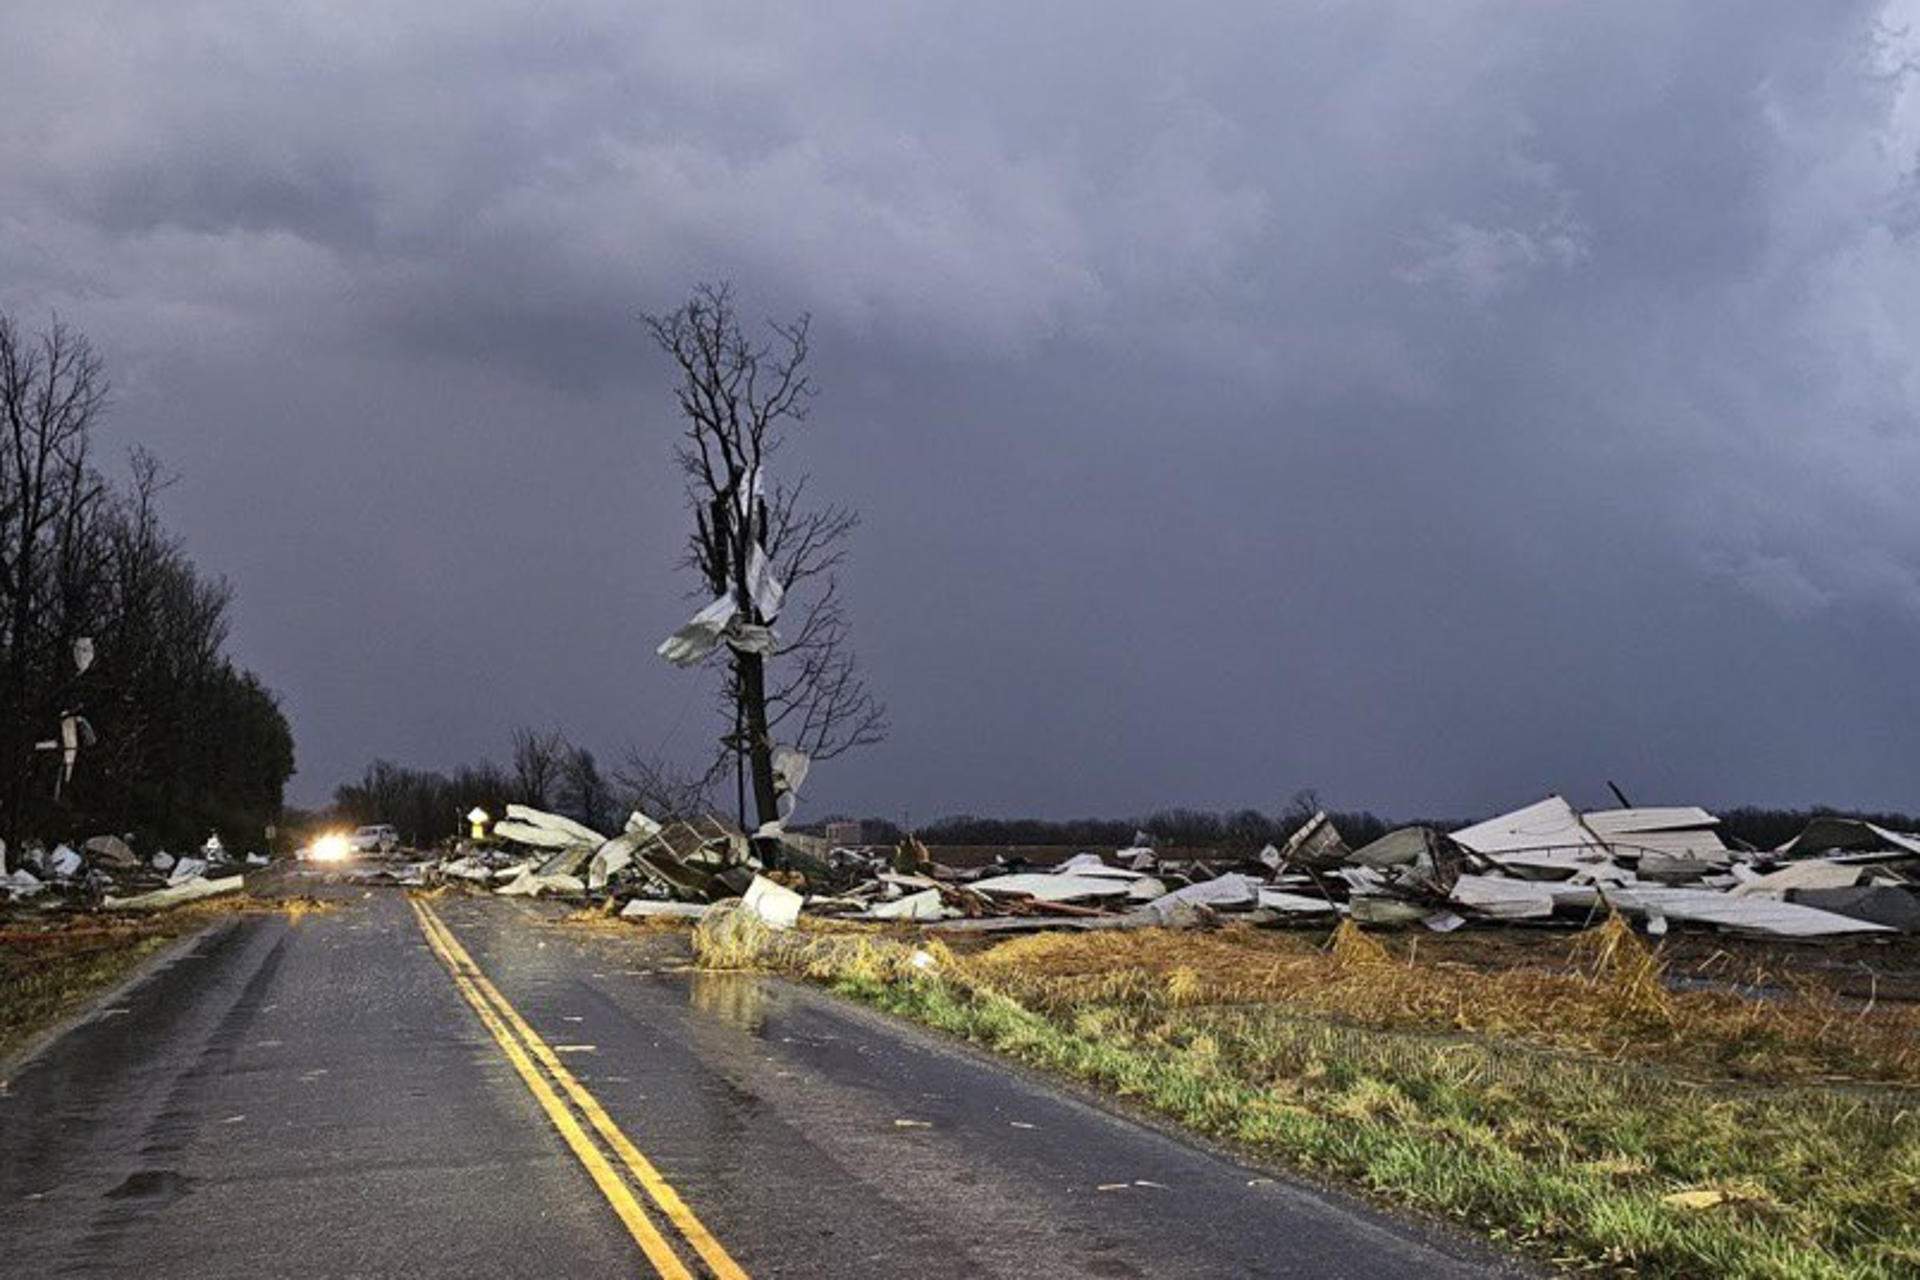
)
(1434, 404)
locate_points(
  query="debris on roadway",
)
(106, 874)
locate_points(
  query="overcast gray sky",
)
(1432, 403)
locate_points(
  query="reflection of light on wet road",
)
(737, 998)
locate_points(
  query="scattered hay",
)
(604, 918)
(1183, 987)
(1602, 992)
(731, 938)
(298, 909)
(1351, 948)
(1624, 968)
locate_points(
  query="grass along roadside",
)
(51, 966)
(1588, 1115)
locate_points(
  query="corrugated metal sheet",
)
(1682, 831)
(1549, 825)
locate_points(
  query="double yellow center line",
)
(554, 1088)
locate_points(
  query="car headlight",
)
(332, 848)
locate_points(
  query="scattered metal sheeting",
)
(1669, 868)
(701, 635)
(1548, 864)
(1049, 887)
(537, 837)
(1548, 826)
(790, 769)
(689, 858)
(1091, 864)
(924, 905)
(1297, 904)
(568, 862)
(104, 872)
(1676, 832)
(1400, 848)
(612, 857)
(532, 884)
(21, 883)
(1707, 906)
(647, 908)
(1541, 864)
(1814, 873)
(1849, 835)
(556, 831)
(1317, 843)
(1503, 898)
(1222, 892)
(702, 860)
(1041, 923)
(1895, 906)
(763, 588)
(175, 894)
(111, 851)
(468, 868)
(1373, 908)
(775, 904)
(747, 637)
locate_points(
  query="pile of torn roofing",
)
(1544, 864)
(535, 854)
(105, 873)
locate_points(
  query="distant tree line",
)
(1250, 829)
(1243, 829)
(544, 771)
(119, 709)
(547, 771)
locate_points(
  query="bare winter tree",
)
(584, 793)
(538, 759)
(52, 389)
(661, 791)
(756, 540)
(178, 740)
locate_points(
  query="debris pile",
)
(1544, 863)
(105, 873)
(535, 854)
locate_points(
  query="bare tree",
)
(755, 541)
(418, 802)
(483, 786)
(537, 762)
(584, 793)
(662, 792)
(52, 389)
(185, 741)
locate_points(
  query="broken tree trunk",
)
(753, 696)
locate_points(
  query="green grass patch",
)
(1571, 1155)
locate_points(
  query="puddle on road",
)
(736, 998)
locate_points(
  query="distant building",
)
(846, 835)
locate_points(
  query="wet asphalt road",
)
(315, 1098)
